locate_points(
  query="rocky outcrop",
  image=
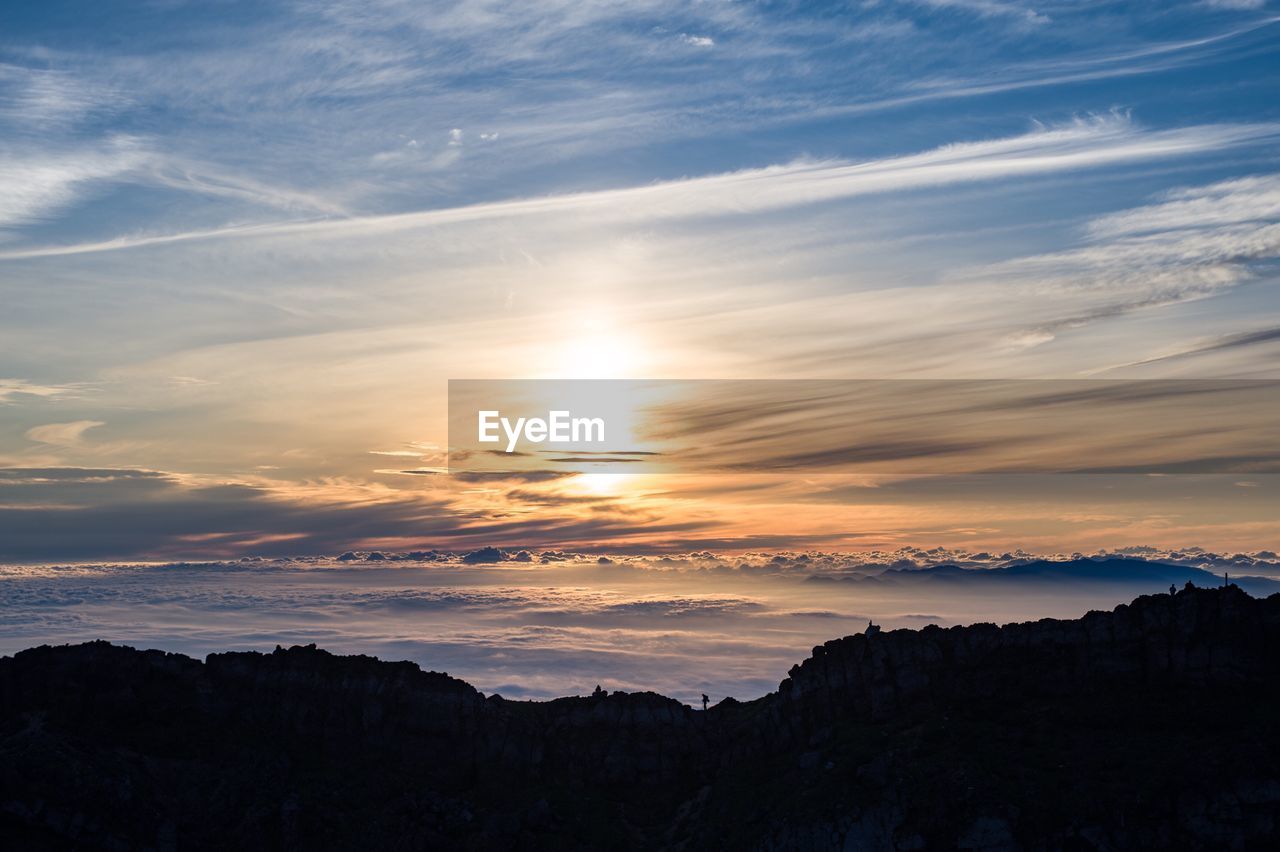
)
(1148, 726)
(1194, 638)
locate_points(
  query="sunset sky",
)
(245, 246)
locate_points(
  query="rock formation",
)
(1149, 726)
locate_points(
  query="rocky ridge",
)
(1149, 725)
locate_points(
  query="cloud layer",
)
(681, 626)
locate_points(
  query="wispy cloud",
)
(697, 40)
(1088, 67)
(992, 8)
(11, 388)
(45, 99)
(564, 81)
(35, 186)
(202, 179)
(1234, 4)
(1085, 144)
(1192, 243)
(1222, 343)
(1240, 201)
(62, 434)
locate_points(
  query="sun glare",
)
(601, 484)
(600, 351)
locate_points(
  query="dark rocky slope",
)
(1152, 726)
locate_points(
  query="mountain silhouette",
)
(1149, 726)
(1133, 572)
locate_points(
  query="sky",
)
(245, 246)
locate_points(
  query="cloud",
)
(34, 186)
(37, 184)
(576, 79)
(10, 388)
(1053, 72)
(1223, 343)
(1085, 144)
(482, 556)
(62, 434)
(49, 98)
(513, 476)
(69, 515)
(921, 426)
(1234, 4)
(680, 626)
(549, 639)
(28, 475)
(1240, 201)
(72, 513)
(991, 8)
(697, 40)
(1193, 243)
(202, 179)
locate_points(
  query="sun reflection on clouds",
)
(602, 483)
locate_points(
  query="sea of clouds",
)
(531, 624)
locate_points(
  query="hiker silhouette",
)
(705, 701)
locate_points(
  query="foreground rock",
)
(1152, 726)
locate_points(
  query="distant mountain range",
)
(1148, 727)
(1153, 576)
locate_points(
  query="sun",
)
(600, 350)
